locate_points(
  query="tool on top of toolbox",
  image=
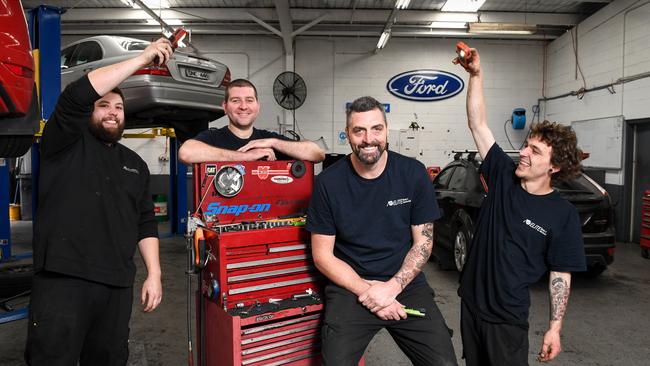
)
(464, 54)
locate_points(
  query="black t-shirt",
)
(94, 201)
(372, 218)
(518, 237)
(224, 138)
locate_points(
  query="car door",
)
(85, 57)
(442, 225)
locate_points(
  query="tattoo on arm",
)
(416, 257)
(559, 289)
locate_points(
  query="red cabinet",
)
(645, 224)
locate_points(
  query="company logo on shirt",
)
(131, 170)
(535, 227)
(398, 202)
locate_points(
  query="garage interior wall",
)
(338, 70)
(610, 45)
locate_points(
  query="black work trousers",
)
(349, 327)
(73, 320)
(492, 344)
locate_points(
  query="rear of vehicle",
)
(185, 94)
(597, 218)
(18, 101)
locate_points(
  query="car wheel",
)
(644, 253)
(461, 242)
(15, 278)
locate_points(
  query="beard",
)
(110, 136)
(368, 158)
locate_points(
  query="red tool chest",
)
(645, 224)
(259, 302)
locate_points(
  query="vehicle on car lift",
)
(460, 193)
(185, 94)
(19, 114)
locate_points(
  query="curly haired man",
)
(524, 229)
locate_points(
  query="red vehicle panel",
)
(16, 62)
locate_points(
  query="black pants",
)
(349, 327)
(492, 344)
(71, 319)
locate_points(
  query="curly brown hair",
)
(565, 153)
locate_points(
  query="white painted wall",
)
(612, 44)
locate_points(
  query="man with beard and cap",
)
(524, 230)
(239, 140)
(371, 221)
(94, 207)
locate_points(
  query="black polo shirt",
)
(94, 201)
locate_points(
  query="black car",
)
(460, 191)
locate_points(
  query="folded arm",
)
(300, 150)
(194, 151)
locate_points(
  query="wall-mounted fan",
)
(289, 90)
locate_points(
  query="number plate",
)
(196, 74)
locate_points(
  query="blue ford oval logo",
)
(425, 85)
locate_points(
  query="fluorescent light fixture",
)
(463, 5)
(383, 39)
(449, 25)
(151, 4)
(168, 21)
(502, 28)
(402, 4)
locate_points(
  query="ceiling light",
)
(449, 25)
(502, 28)
(463, 5)
(151, 4)
(168, 21)
(402, 4)
(383, 39)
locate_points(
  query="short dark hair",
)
(118, 91)
(239, 83)
(364, 104)
(565, 153)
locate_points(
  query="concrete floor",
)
(608, 321)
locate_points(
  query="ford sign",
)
(425, 85)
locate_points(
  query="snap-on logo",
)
(216, 208)
(281, 179)
(425, 85)
(535, 227)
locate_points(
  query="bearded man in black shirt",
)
(95, 207)
(524, 229)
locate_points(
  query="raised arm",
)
(476, 113)
(382, 294)
(339, 272)
(300, 150)
(194, 151)
(108, 77)
(559, 288)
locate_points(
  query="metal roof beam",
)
(286, 26)
(303, 16)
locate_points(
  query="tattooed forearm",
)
(417, 256)
(559, 287)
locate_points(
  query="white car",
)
(185, 94)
